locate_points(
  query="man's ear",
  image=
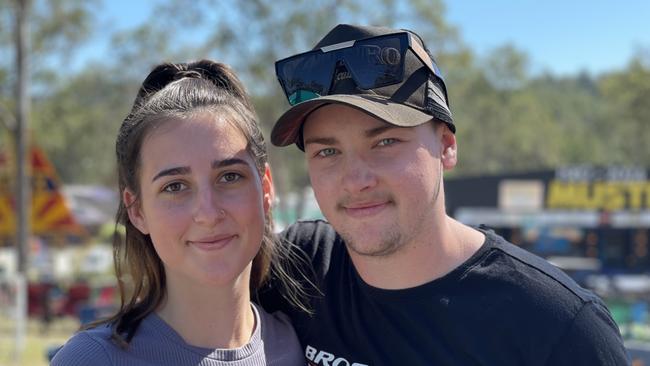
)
(448, 155)
(268, 191)
(134, 209)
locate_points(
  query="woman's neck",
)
(209, 317)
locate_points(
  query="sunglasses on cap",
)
(372, 63)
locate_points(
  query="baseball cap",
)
(420, 97)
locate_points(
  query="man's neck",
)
(422, 260)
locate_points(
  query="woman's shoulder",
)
(86, 347)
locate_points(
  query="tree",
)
(252, 35)
(78, 122)
(506, 119)
(624, 125)
(57, 27)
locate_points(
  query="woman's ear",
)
(268, 192)
(134, 210)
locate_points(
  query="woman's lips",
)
(212, 243)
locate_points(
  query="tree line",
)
(507, 119)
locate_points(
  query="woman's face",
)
(202, 200)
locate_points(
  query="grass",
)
(37, 341)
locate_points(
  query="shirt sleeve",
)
(313, 237)
(592, 339)
(81, 350)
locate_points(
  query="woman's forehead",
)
(194, 139)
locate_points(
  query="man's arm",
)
(592, 339)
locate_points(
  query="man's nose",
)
(357, 175)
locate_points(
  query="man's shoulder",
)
(532, 271)
(309, 228)
(517, 291)
(507, 279)
(312, 236)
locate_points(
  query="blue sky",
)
(560, 36)
(563, 36)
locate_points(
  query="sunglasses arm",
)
(424, 57)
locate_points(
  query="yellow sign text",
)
(608, 196)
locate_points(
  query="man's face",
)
(379, 185)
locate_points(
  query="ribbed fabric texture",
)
(273, 342)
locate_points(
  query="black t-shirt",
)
(503, 306)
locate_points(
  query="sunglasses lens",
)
(306, 75)
(372, 63)
(377, 62)
(301, 95)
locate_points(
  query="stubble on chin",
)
(389, 243)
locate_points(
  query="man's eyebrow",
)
(321, 140)
(379, 130)
(368, 133)
(181, 170)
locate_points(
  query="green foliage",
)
(507, 119)
(60, 25)
(626, 98)
(277, 29)
(56, 28)
(77, 124)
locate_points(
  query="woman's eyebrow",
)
(181, 170)
(228, 162)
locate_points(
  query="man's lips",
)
(213, 242)
(364, 209)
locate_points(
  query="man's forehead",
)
(331, 127)
(323, 117)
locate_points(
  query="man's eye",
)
(174, 187)
(386, 142)
(327, 152)
(230, 177)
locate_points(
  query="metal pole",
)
(24, 187)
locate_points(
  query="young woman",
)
(196, 196)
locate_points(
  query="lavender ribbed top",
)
(273, 342)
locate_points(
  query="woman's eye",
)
(386, 141)
(230, 177)
(326, 152)
(174, 187)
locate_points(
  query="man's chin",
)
(371, 245)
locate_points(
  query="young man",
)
(403, 283)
